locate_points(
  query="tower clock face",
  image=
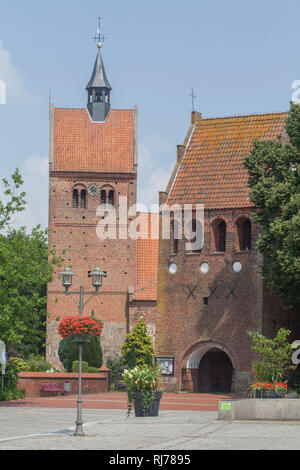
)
(93, 189)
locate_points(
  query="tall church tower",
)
(92, 162)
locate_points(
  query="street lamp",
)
(97, 276)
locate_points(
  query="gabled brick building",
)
(92, 162)
(209, 299)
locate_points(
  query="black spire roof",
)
(98, 78)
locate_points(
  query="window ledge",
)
(191, 253)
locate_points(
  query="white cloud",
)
(154, 168)
(34, 172)
(12, 78)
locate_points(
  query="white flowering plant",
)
(144, 380)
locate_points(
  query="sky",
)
(239, 57)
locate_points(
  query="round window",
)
(237, 267)
(173, 268)
(204, 268)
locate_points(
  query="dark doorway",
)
(215, 372)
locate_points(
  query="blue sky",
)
(240, 57)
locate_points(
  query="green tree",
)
(149, 359)
(11, 199)
(91, 353)
(116, 366)
(142, 343)
(132, 357)
(25, 268)
(275, 356)
(274, 181)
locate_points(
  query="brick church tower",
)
(209, 298)
(93, 161)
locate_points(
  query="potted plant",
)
(268, 390)
(143, 390)
(271, 367)
(79, 329)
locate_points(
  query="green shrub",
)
(93, 370)
(84, 366)
(39, 364)
(132, 357)
(142, 343)
(116, 366)
(10, 385)
(19, 363)
(68, 352)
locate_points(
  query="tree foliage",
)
(142, 343)
(26, 267)
(274, 181)
(12, 198)
(275, 356)
(91, 353)
(24, 272)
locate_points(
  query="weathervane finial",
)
(193, 97)
(98, 37)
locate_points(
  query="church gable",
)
(81, 145)
(212, 170)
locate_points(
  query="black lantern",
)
(67, 278)
(97, 275)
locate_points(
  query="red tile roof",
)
(147, 260)
(212, 171)
(85, 146)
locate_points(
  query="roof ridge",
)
(85, 109)
(242, 116)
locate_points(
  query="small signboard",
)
(166, 365)
(2, 347)
(225, 406)
(3, 358)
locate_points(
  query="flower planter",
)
(152, 408)
(268, 389)
(269, 393)
(80, 339)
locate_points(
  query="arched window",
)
(111, 197)
(83, 199)
(195, 239)
(219, 230)
(244, 230)
(75, 198)
(103, 197)
(107, 196)
(174, 239)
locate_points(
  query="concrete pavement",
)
(33, 428)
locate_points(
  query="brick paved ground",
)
(118, 401)
(33, 428)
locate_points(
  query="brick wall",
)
(32, 382)
(195, 309)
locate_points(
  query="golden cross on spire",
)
(98, 37)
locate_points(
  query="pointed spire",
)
(98, 87)
(98, 78)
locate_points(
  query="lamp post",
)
(97, 276)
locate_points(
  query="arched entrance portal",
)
(208, 367)
(215, 372)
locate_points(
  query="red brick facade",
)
(203, 317)
(83, 152)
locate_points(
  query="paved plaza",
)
(32, 427)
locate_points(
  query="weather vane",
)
(193, 96)
(98, 37)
